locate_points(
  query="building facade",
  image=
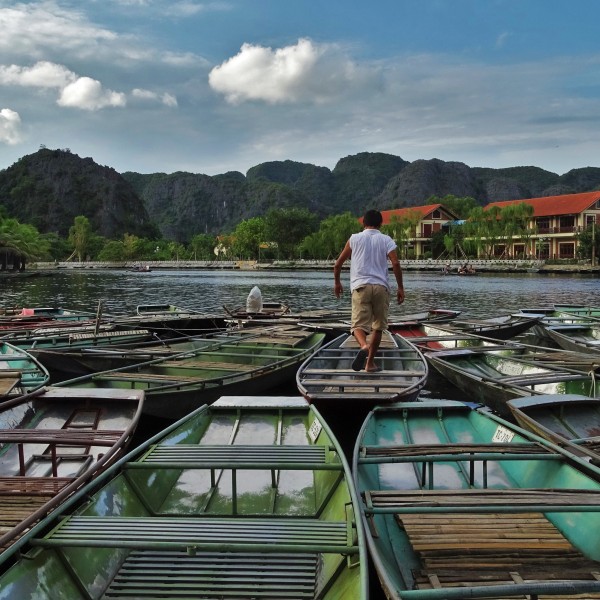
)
(419, 223)
(555, 223)
(553, 226)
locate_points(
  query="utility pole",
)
(594, 243)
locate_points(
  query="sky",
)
(223, 85)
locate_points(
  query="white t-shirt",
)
(369, 260)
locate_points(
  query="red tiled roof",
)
(567, 204)
(423, 210)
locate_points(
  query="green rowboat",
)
(246, 361)
(458, 503)
(248, 498)
(566, 419)
(52, 442)
(20, 373)
(492, 376)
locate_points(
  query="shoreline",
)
(430, 265)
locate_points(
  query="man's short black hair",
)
(372, 218)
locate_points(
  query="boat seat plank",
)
(8, 384)
(213, 364)
(481, 499)
(243, 576)
(362, 383)
(238, 457)
(149, 378)
(462, 448)
(498, 549)
(223, 534)
(30, 486)
(362, 374)
(66, 437)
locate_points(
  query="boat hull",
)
(250, 496)
(442, 488)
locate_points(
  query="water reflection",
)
(209, 290)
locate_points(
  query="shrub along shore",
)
(484, 266)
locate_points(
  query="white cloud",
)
(303, 72)
(165, 98)
(43, 74)
(88, 94)
(10, 127)
(33, 28)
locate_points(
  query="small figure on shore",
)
(370, 251)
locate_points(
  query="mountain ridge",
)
(50, 187)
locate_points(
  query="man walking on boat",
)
(369, 251)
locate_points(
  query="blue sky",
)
(216, 86)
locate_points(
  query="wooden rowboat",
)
(569, 420)
(246, 361)
(54, 441)
(492, 376)
(327, 377)
(579, 337)
(20, 373)
(248, 498)
(461, 504)
(504, 327)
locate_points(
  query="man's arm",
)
(397, 269)
(337, 269)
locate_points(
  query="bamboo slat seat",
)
(482, 500)
(8, 384)
(30, 486)
(418, 450)
(209, 365)
(272, 535)
(63, 437)
(102, 334)
(494, 549)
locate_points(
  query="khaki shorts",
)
(370, 307)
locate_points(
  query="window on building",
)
(566, 224)
(436, 214)
(543, 224)
(566, 250)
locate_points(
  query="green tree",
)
(461, 207)
(203, 246)
(330, 239)
(22, 240)
(248, 236)
(588, 243)
(79, 236)
(113, 251)
(287, 227)
(402, 229)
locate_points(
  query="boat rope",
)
(592, 374)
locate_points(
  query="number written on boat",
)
(315, 430)
(503, 435)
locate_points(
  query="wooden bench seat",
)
(204, 534)
(63, 437)
(496, 549)
(8, 384)
(479, 500)
(455, 452)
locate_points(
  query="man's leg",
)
(373, 347)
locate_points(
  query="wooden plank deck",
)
(493, 549)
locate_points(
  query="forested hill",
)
(50, 187)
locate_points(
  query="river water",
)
(482, 295)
